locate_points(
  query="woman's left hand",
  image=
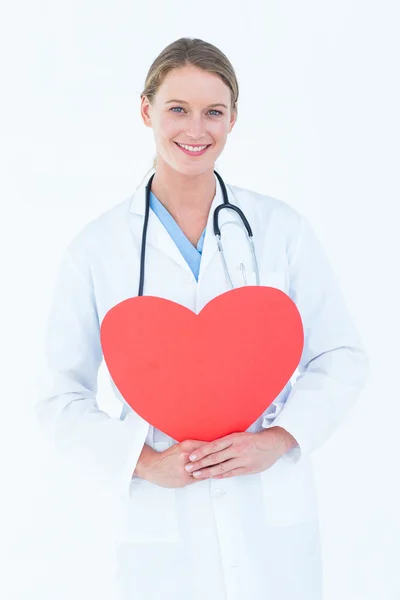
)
(240, 453)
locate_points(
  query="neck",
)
(184, 195)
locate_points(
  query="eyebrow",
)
(184, 102)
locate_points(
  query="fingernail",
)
(189, 467)
(197, 474)
(192, 457)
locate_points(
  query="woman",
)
(246, 526)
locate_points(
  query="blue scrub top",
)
(191, 254)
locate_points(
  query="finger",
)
(211, 447)
(212, 459)
(219, 469)
(233, 473)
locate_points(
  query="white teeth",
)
(192, 149)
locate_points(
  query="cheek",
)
(168, 122)
(219, 129)
(169, 130)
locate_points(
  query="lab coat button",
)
(218, 492)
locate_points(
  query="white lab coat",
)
(253, 536)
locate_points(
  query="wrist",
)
(144, 462)
(284, 441)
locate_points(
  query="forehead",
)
(194, 85)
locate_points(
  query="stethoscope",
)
(217, 233)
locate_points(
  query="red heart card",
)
(208, 375)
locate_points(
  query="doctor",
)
(242, 523)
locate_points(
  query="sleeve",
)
(103, 448)
(334, 365)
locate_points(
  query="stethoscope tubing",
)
(217, 232)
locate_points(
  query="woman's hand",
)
(167, 468)
(240, 454)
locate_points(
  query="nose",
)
(195, 128)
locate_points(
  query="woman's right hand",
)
(167, 468)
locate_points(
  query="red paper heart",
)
(208, 375)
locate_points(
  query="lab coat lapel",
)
(235, 245)
(157, 235)
(210, 248)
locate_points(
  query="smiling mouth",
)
(193, 153)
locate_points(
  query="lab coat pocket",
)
(149, 514)
(289, 494)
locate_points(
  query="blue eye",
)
(211, 110)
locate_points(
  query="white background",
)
(318, 128)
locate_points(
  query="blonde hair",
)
(195, 52)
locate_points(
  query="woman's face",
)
(190, 119)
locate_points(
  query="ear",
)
(233, 119)
(145, 111)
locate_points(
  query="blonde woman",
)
(236, 518)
